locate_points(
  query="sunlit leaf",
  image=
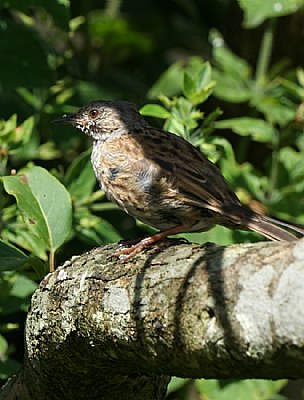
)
(232, 65)
(259, 129)
(256, 11)
(155, 110)
(189, 85)
(275, 111)
(44, 203)
(249, 389)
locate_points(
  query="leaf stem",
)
(112, 8)
(52, 260)
(274, 168)
(265, 53)
(3, 167)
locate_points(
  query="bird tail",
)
(271, 228)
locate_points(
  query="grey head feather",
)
(111, 117)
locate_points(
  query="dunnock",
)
(162, 179)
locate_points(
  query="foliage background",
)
(225, 74)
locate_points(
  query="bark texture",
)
(101, 329)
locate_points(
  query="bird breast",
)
(141, 187)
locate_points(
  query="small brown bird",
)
(162, 179)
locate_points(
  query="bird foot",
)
(125, 254)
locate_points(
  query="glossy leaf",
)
(204, 75)
(189, 85)
(80, 179)
(232, 75)
(257, 11)
(20, 290)
(23, 286)
(44, 203)
(154, 110)
(93, 229)
(10, 257)
(233, 65)
(231, 89)
(259, 129)
(275, 111)
(198, 88)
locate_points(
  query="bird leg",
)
(129, 252)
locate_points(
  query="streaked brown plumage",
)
(161, 179)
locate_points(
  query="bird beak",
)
(67, 119)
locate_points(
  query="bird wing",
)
(191, 172)
(203, 185)
(171, 168)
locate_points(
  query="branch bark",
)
(101, 329)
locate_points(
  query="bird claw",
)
(124, 254)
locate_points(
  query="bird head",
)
(100, 119)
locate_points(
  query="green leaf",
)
(106, 231)
(7, 132)
(58, 9)
(199, 87)
(189, 85)
(259, 129)
(3, 347)
(176, 384)
(17, 39)
(12, 137)
(219, 234)
(293, 162)
(10, 257)
(249, 389)
(300, 76)
(232, 73)
(275, 111)
(257, 11)
(23, 287)
(231, 89)
(80, 179)
(93, 229)
(155, 110)
(16, 297)
(232, 65)
(169, 83)
(26, 239)
(204, 75)
(44, 203)
(114, 32)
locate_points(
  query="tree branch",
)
(101, 329)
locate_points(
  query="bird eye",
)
(93, 113)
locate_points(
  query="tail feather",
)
(292, 227)
(273, 229)
(270, 230)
